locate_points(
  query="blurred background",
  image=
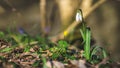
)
(50, 17)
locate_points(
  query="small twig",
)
(74, 24)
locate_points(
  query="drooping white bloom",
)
(78, 16)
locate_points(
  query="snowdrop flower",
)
(79, 16)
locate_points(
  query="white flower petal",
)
(78, 17)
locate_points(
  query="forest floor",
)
(24, 51)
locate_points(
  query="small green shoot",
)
(97, 53)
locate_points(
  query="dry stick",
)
(74, 24)
(43, 14)
(94, 7)
(86, 4)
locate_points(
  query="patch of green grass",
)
(59, 50)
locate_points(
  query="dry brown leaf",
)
(54, 64)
